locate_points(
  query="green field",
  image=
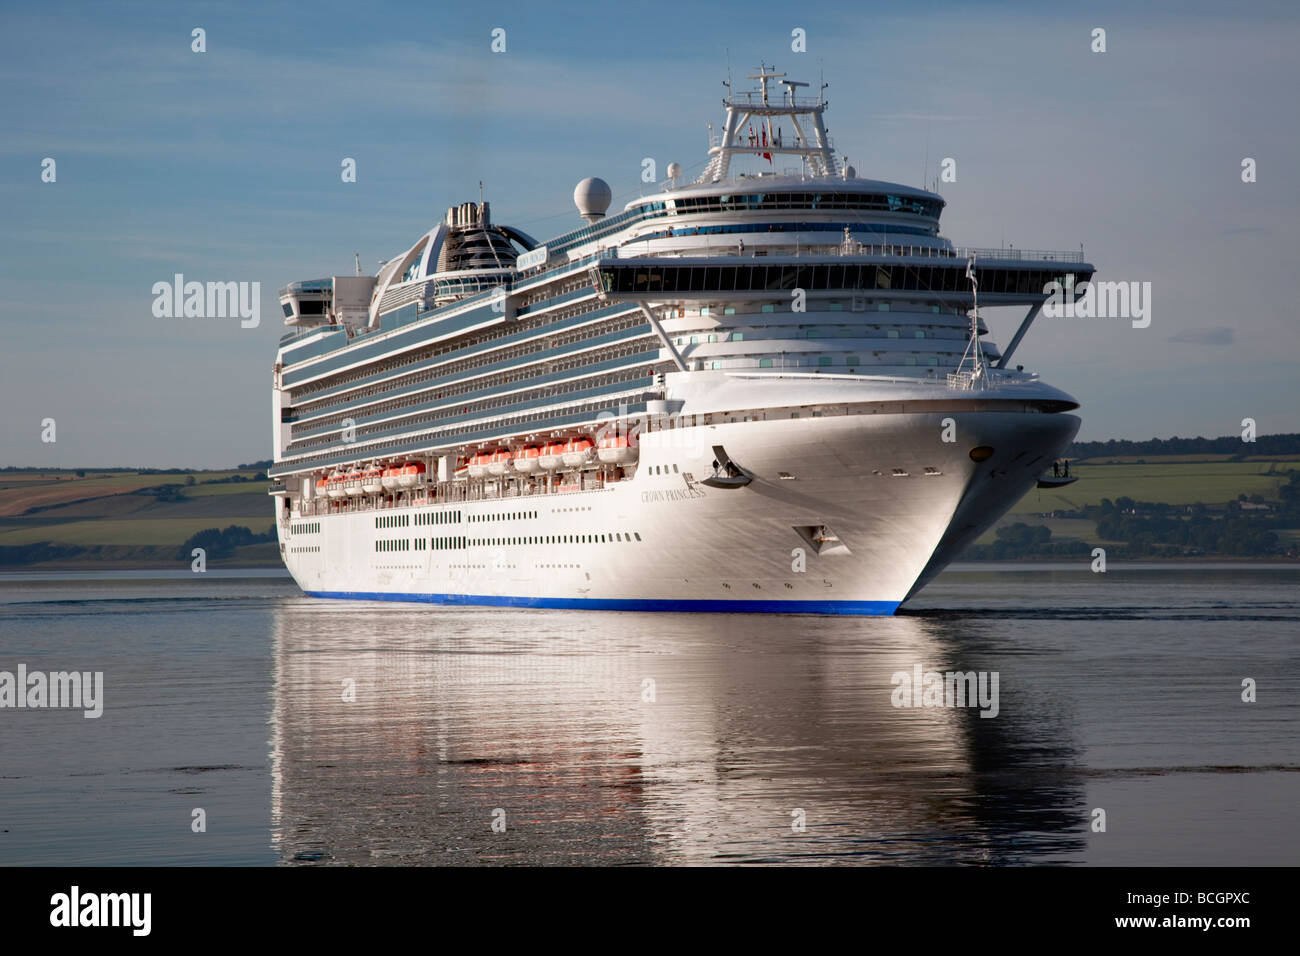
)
(1176, 483)
(1171, 479)
(130, 531)
(107, 512)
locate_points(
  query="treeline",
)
(1288, 444)
(1150, 528)
(217, 543)
(1021, 540)
(222, 543)
(1156, 529)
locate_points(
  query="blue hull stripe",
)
(624, 604)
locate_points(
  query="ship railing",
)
(853, 248)
(993, 375)
(746, 98)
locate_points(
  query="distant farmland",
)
(1173, 479)
(127, 519)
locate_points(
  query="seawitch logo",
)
(922, 688)
(103, 909)
(57, 689)
(215, 300)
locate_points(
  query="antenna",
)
(358, 258)
(480, 192)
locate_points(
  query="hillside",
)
(55, 518)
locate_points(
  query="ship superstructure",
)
(756, 391)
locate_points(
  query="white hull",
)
(704, 548)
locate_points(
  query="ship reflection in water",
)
(612, 738)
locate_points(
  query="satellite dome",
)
(674, 170)
(592, 196)
(850, 172)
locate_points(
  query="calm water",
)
(1119, 691)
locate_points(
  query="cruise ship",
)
(765, 389)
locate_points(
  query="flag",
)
(970, 272)
(767, 156)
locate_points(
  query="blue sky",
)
(225, 166)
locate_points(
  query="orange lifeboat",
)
(552, 456)
(409, 475)
(526, 460)
(617, 450)
(372, 481)
(500, 463)
(352, 483)
(578, 452)
(334, 485)
(388, 478)
(478, 464)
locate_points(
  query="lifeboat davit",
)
(372, 481)
(478, 464)
(526, 460)
(409, 474)
(552, 456)
(334, 486)
(616, 450)
(388, 478)
(500, 463)
(578, 451)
